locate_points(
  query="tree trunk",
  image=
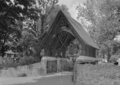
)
(3, 48)
(108, 57)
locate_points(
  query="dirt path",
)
(54, 79)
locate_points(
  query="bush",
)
(103, 73)
(27, 60)
(22, 75)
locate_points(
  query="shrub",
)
(28, 60)
(22, 75)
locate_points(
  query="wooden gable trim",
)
(51, 28)
(72, 28)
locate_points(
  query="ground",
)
(57, 79)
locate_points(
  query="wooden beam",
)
(63, 41)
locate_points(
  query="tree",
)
(12, 11)
(74, 48)
(40, 27)
(104, 18)
(44, 8)
(33, 31)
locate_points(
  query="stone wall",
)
(97, 75)
(36, 69)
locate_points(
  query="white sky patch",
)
(65, 2)
(71, 4)
(73, 11)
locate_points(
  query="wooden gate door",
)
(64, 65)
(52, 66)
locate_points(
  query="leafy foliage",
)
(104, 18)
(24, 23)
(12, 11)
(74, 48)
(38, 31)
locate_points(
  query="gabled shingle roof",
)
(80, 31)
(76, 29)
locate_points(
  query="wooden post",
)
(74, 69)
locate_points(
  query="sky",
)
(71, 4)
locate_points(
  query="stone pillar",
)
(44, 64)
(1, 60)
(58, 65)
